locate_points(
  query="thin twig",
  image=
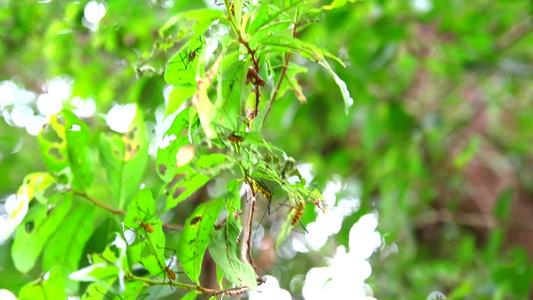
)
(119, 211)
(246, 249)
(232, 291)
(101, 204)
(283, 71)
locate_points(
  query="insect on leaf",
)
(141, 209)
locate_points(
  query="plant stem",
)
(119, 211)
(232, 291)
(283, 71)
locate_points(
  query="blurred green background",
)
(438, 145)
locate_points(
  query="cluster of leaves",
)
(405, 149)
(206, 139)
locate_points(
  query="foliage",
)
(251, 91)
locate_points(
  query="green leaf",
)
(269, 15)
(233, 204)
(338, 3)
(291, 83)
(286, 228)
(133, 290)
(35, 185)
(64, 147)
(195, 235)
(468, 153)
(142, 208)
(51, 286)
(107, 269)
(94, 292)
(289, 44)
(212, 164)
(65, 248)
(96, 272)
(234, 93)
(190, 296)
(124, 157)
(150, 250)
(176, 137)
(502, 209)
(223, 249)
(348, 101)
(282, 43)
(196, 21)
(181, 71)
(178, 96)
(183, 185)
(207, 112)
(28, 245)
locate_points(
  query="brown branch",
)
(119, 211)
(246, 249)
(255, 61)
(230, 292)
(101, 204)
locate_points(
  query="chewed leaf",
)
(173, 140)
(223, 248)
(64, 144)
(195, 235)
(178, 96)
(184, 184)
(28, 245)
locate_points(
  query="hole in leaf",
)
(51, 136)
(195, 220)
(175, 180)
(75, 127)
(29, 226)
(162, 169)
(49, 211)
(178, 192)
(54, 151)
(60, 120)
